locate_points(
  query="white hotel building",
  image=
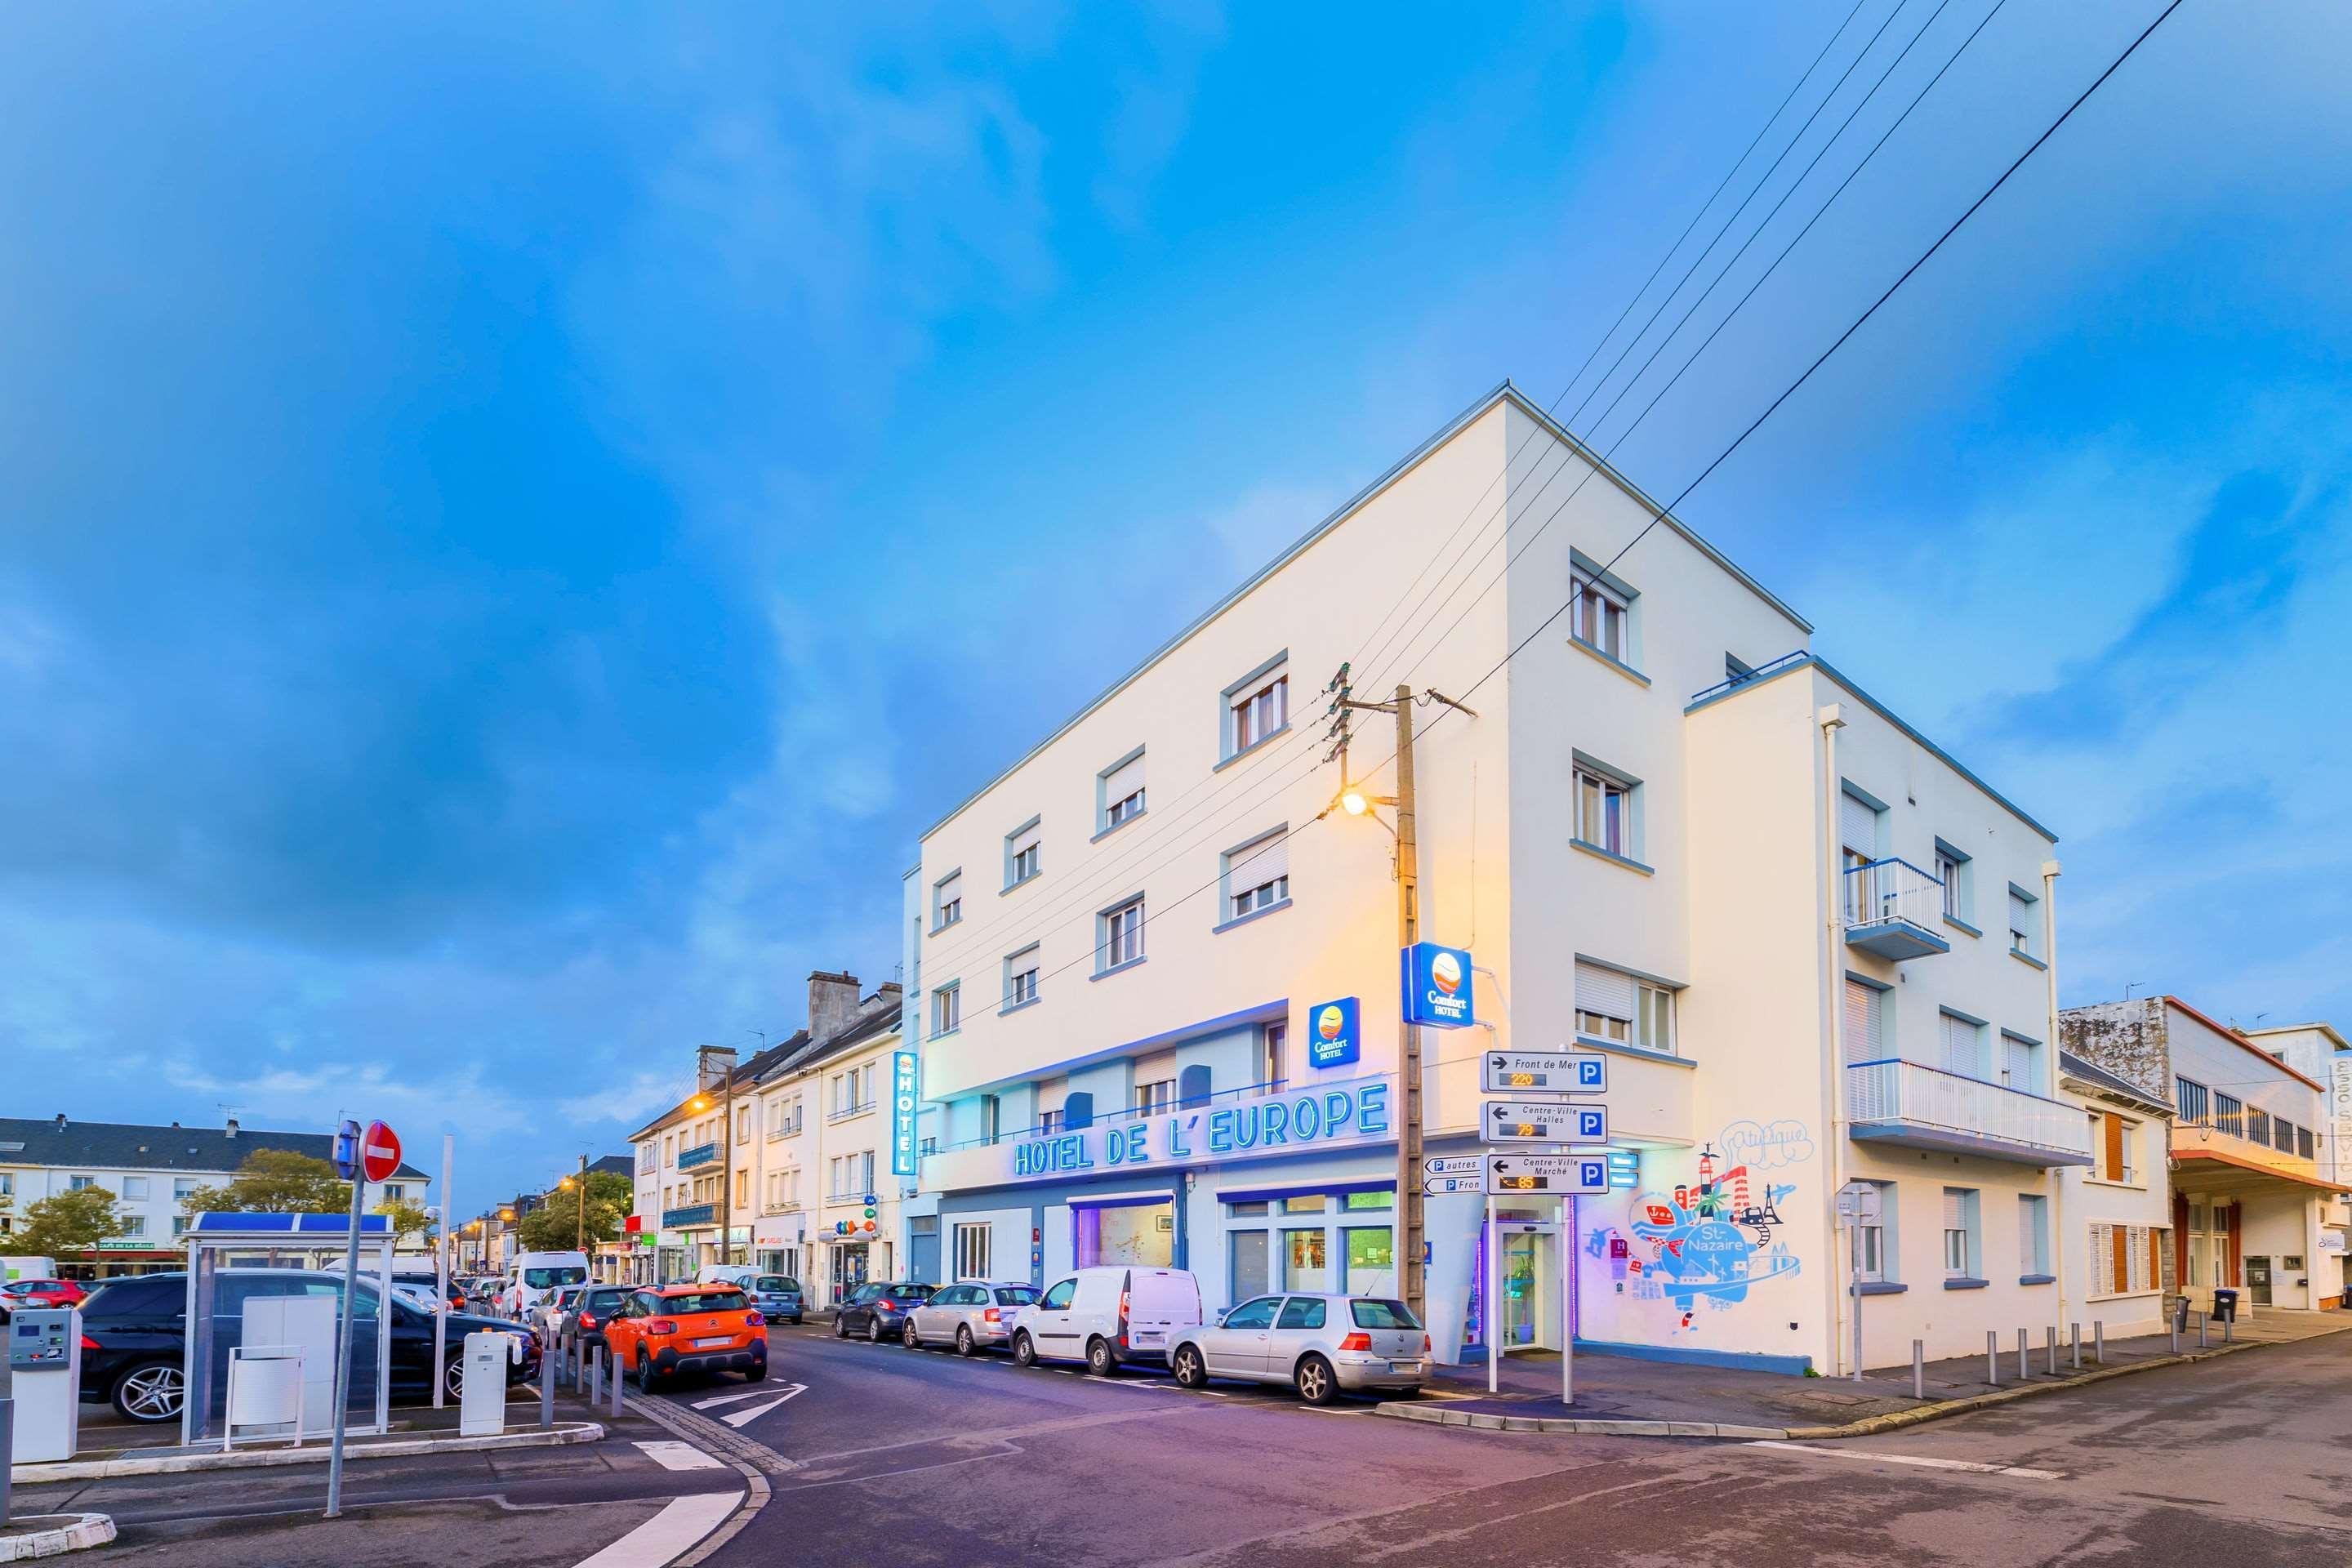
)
(1718, 855)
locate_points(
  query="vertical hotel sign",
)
(2340, 1104)
(903, 1083)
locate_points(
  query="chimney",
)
(833, 1004)
(61, 1120)
(232, 1126)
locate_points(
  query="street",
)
(929, 1459)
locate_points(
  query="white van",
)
(533, 1275)
(1108, 1315)
(28, 1268)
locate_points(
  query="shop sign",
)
(2341, 1067)
(902, 1113)
(1437, 988)
(1334, 1033)
(1276, 1124)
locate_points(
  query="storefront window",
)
(1370, 1254)
(1311, 1203)
(1249, 1275)
(1248, 1210)
(1306, 1267)
(1384, 1199)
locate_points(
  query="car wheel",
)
(964, 1341)
(453, 1375)
(756, 1373)
(909, 1337)
(840, 1326)
(647, 1381)
(873, 1329)
(1318, 1384)
(1099, 1360)
(151, 1392)
(1024, 1351)
(1191, 1371)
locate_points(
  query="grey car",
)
(968, 1316)
(1318, 1344)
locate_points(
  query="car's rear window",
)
(545, 1278)
(775, 1282)
(1382, 1315)
(1016, 1296)
(705, 1301)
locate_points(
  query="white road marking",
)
(1328, 1410)
(740, 1417)
(761, 1392)
(672, 1456)
(663, 1538)
(1972, 1465)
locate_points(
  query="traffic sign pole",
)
(343, 1351)
(1493, 1294)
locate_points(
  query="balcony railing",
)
(2194, 1138)
(1920, 1107)
(700, 1154)
(1892, 909)
(689, 1216)
(784, 1130)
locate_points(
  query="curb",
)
(562, 1433)
(1485, 1421)
(79, 1532)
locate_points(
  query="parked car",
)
(533, 1274)
(429, 1283)
(969, 1316)
(778, 1296)
(1318, 1344)
(878, 1312)
(585, 1317)
(40, 1293)
(1108, 1315)
(553, 1307)
(663, 1330)
(134, 1334)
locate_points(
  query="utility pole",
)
(581, 1245)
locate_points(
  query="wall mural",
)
(1701, 1245)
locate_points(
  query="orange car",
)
(665, 1329)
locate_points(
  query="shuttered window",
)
(2021, 1064)
(2103, 1260)
(1020, 854)
(2032, 1234)
(1865, 1033)
(1959, 1239)
(1612, 1005)
(2021, 923)
(1962, 1043)
(946, 907)
(1858, 826)
(1258, 875)
(1122, 791)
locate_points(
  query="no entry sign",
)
(379, 1151)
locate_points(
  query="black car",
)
(134, 1335)
(878, 1312)
(585, 1314)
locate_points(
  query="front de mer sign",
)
(1327, 1116)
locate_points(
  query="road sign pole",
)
(441, 1274)
(343, 1351)
(1493, 1297)
(1567, 1300)
(1853, 1274)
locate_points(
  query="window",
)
(2227, 1117)
(1256, 709)
(1270, 1041)
(2032, 1234)
(742, 1124)
(1307, 1263)
(136, 1187)
(179, 1224)
(1257, 874)
(1151, 1098)
(2127, 1260)
(947, 900)
(1604, 811)
(1384, 1199)
(2282, 1135)
(2022, 920)
(1600, 620)
(1122, 937)
(1301, 1312)
(1368, 1254)
(2304, 1144)
(988, 1118)
(1873, 1258)
(947, 1009)
(1962, 1040)
(2020, 1062)
(972, 1251)
(1308, 1203)
(1956, 872)
(1866, 1038)
(1121, 788)
(742, 1189)
(1960, 1250)
(2258, 1127)
(1020, 853)
(134, 1224)
(1257, 1314)
(1612, 1005)
(1050, 1122)
(1735, 668)
(669, 1150)
(2115, 1147)
(2190, 1097)
(81, 1184)
(1858, 830)
(1021, 977)
(1059, 1298)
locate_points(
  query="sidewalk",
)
(1626, 1396)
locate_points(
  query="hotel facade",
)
(1155, 975)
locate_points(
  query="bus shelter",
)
(235, 1313)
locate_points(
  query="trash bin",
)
(2225, 1304)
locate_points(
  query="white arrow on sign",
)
(1447, 1186)
(1453, 1164)
(1546, 1121)
(1571, 1175)
(1543, 1072)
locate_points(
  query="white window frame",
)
(971, 1246)
(2032, 1234)
(1239, 900)
(1257, 708)
(1051, 1122)
(2025, 943)
(135, 1187)
(947, 1008)
(1602, 618)
(1153, 1098)
(1116, 813)
(945, 911)
(1651, 1028)
(1593, 786)
(1021, 977)
(1967, 1239)
(1122, 928)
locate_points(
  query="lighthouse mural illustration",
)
(1701, 1245)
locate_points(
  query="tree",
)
(554, 1226)
(276, 1181)
(406, 1218)
(69, 1223)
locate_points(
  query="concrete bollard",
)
(2051, 1340)
(2075, 1330)
(617, 1381)
(2099, 1341)
(1918, 1369)
(549, 1367)
(2025, 1370)
(2174, 1326)
(595, 1376)
(2229, 1330)
(1992, 1357)
(2202, 1319)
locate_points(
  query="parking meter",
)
(482, 1399)
(45, 1369)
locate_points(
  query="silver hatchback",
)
(967, 1316)
(1318, 1344)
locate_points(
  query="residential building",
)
(2319, 1051)
(685, 1158)
(1156, 969)
(2114, 1217)
(152, 1172)
(2250, 1191)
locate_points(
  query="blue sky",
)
(516, 518)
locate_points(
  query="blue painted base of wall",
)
(1737, 1360)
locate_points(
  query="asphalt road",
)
(919, 1458)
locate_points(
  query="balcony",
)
(700, 1154)
(690, 1216)
(1917, 1106)
(1892, 910)
(2210, 1159)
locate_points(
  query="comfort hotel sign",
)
(1325, 1117)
